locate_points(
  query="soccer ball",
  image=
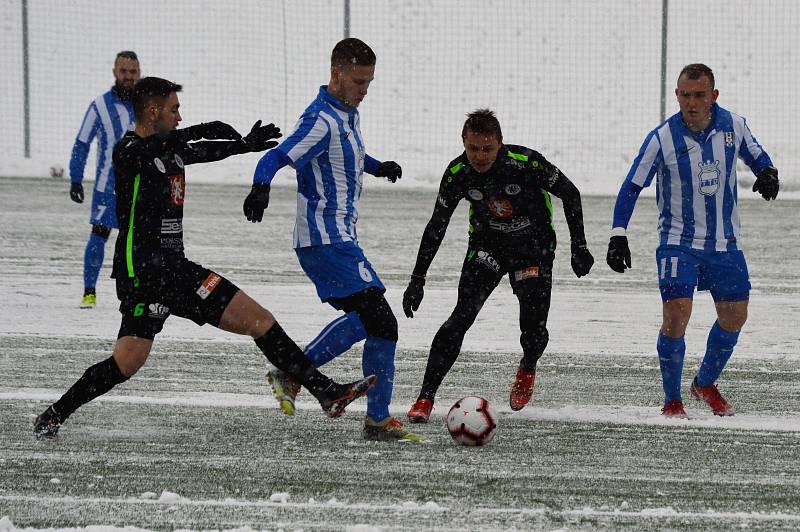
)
(472, 421)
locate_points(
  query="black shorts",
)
(186, 289)
(486, 263)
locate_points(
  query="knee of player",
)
(101, 231)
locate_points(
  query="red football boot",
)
(711, 396)
(674, 409)
(522, 389)
(420, 411)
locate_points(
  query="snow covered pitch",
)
(195, 441)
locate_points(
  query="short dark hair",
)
(126, 54)
(151, 88)
(696, 71)
(482, 121)
(352, 51)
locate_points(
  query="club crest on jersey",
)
(177, 188)
(160, 165)
(501, 208)
(178, 161)
(513, 189)
(475, 194)
(708, 177)
(729, 139)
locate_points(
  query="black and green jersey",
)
(150, 189)
(509, 203)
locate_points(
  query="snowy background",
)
(195, 441)
(578, 81)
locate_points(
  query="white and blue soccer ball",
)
(472, 421)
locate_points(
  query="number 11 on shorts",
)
(672, 270)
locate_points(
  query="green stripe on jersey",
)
(129, 240)
(455, 169)
(549, 204)
(517, 156)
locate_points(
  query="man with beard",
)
(107, 119)
(154, 277)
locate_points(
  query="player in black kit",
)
(510, 232)
(154, 277)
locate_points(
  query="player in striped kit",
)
(327, 151)
(107, 119)
(694, 154)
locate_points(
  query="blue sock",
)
(719, 349)
(336, 338)
(670, 359)
(93, 260)
(378, 359)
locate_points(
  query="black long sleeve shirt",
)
(508, 202)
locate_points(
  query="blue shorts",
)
(104, 209)
(681, 269)
(338, 270)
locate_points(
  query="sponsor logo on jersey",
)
(475, 194)
(510, 227)
(530, 272)
(708, 177)
(208, 286)
(487, 260)
(160, 165)
(157, 310)
(171, 226)
(441, 201)
(177, 188)
(501, 208)
(729, 139)
(513, 189)
(178, 161)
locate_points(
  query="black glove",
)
(412, 297)
(260, 137)
(582, 260)
(209, 130)
(619, 254)
(76, 192)
(256, 202)
(390, 170)
(767, 183)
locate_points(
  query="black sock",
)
(89, 292)
(95, 381)
(285, 355)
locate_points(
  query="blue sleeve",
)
(83, 141)
(626, 201)
(269, 165)
(371, 164)
(77, 161)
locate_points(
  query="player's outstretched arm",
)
(257, 200)
(432, 237)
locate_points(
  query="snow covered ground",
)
(195, 441)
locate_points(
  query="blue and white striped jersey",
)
(107, 119)
(327, 152)
(696, 185)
